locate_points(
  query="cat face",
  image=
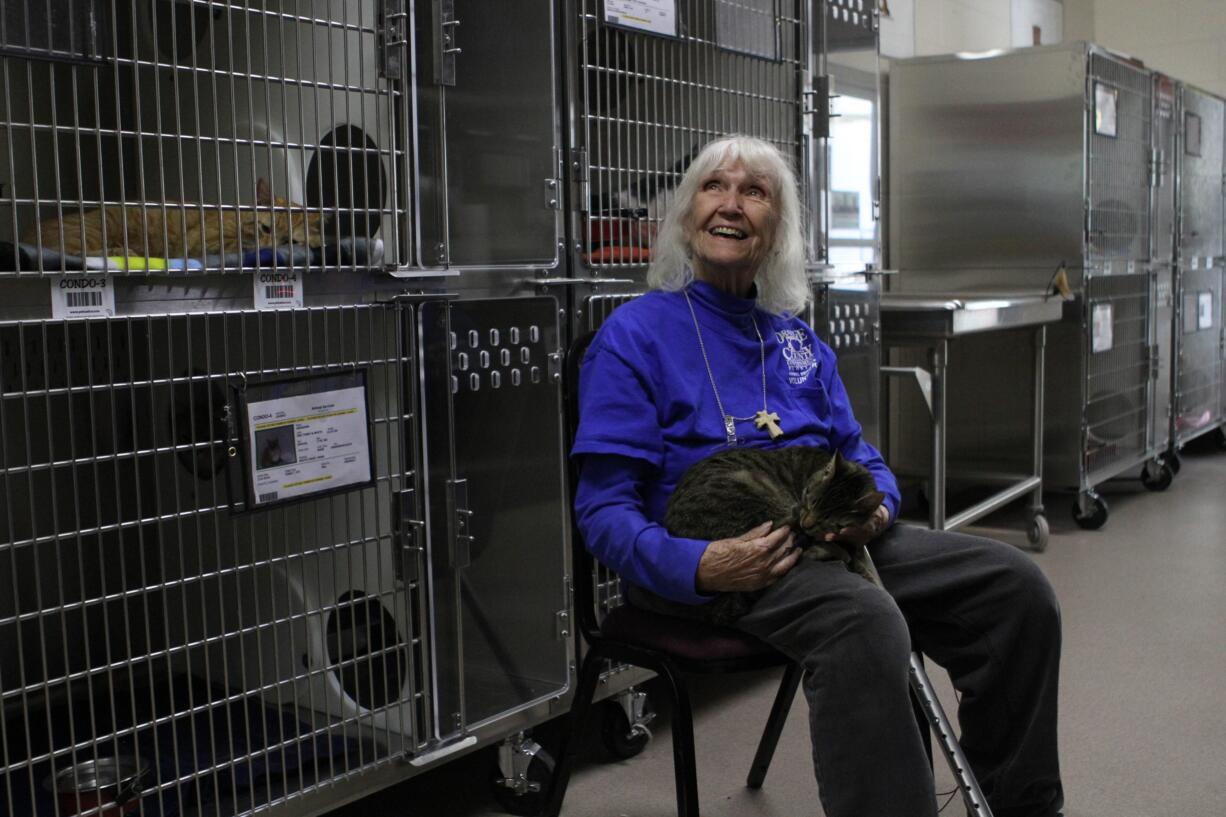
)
(840, 495)
(285, 223)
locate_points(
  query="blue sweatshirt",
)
(648, 412)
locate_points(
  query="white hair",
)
(783, 287)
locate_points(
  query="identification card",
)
(306, 436)
(656, 16)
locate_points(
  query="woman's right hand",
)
(751, 561)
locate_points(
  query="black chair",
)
(666, 645)
(671, 646)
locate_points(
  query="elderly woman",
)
(709, 359)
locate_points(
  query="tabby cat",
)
(178, 231)
(806, 488)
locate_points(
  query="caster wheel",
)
(1172, 460)
(527, 794)
(1097, 516)
(1159, 481)
(1219, 437)
(1038, 532)
(621, 739)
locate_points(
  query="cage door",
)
(489, 134)
(497, 516)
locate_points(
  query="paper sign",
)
(656, 16)
(1106, 101)
(1204, 310)
(82, 296)
(278, 289)
(1101, 337)
(307, 437)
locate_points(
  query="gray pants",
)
(980, 609)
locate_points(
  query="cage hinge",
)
(392, 40)
(462, 519)
(553, 201)
(1155, 168)
(562, 625)
(820, 106)
(1155, 362)
(876, 18)
(445, 48)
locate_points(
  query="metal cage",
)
(1197, 328)
(647, 96)
(193, 136)
(235, 655)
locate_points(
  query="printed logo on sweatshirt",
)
(798, 352)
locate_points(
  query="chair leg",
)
(685, 767)
(568, 750)
(921, 717)
(774, 725)
(972, 795)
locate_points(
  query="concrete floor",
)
(1143, 703)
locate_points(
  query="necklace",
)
(763, 419)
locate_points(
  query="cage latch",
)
(553, 201)
(410, 530)
(461, 529)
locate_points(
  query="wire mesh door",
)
(202, 135)
(1119, 156)
(1200, 179)
(225, 655)
(1119, 367)
(1198, 381)
(650, 93)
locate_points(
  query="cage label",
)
(656, 16)
(1204, 310)
(278, 289)
(1101, 337)
(82, 296)
(307, 437)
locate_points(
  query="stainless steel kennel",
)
(1197, 324)
(166, 615)
(1010, 169)
(434, 229)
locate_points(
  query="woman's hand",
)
(748, 562)
(860, 536)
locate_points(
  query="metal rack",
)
(1071, 191)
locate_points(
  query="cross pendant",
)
(769, 421)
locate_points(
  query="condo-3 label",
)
(82, 296)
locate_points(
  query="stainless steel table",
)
(931, 320)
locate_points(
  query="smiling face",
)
(731, 227)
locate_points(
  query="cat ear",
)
(263, 193)
(870, 501)
(826, 475)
